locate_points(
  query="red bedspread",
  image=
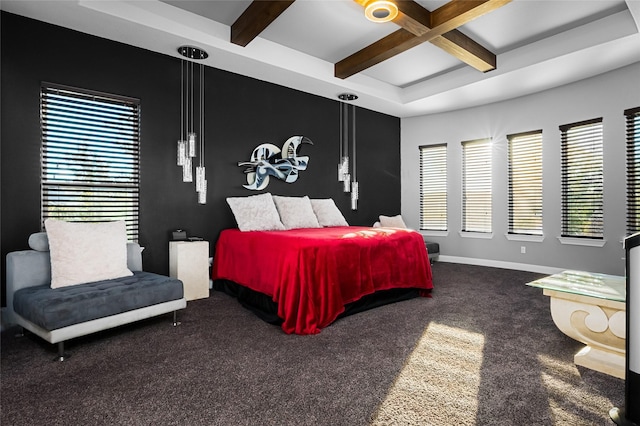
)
(312, 273)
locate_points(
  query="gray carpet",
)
(482, 351)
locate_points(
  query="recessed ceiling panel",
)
(414, 65)
(329, 30)
(525, 21)
(223, 11)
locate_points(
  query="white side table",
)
(591, 309)
(189, 262)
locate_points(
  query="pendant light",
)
(189, 144)
(354, 182)
(347, 175)
(343, 165)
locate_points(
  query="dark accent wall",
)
(241, 113)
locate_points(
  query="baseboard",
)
(501, 264)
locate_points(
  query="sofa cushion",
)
(56, 308)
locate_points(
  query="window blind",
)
(476, 186)
(633, 170)
(582, 179)
(90, 156)
(433, 187)
(525, 183)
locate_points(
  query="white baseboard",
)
(501, 264)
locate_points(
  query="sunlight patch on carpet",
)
(446, 361)
(569, 403)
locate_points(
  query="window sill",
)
(479, 235)
(588, 242)
(434, 233)
(523, 237)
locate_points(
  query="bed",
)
(312, 276)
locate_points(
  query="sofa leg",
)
(20, 332)
(61, 355)
(175, 319)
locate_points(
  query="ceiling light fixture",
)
(380, 11)
(187, 142)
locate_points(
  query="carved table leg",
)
(600, 328)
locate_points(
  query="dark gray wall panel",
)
(241, 113)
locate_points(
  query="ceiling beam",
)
(412, 17)
(420, 26)
(255, 19)
(417, 20)
(383, 49)
(467, 50)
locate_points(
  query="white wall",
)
(606, 95)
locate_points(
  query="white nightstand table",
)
(189, 262)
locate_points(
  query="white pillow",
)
(328, 213)
(255, 213)
(84, 252)
(296, 212)
(392, 221)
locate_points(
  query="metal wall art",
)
(269, 160)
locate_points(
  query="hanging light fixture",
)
(380, 10)
(354, 181)
(343, 164)
(188, 143)
(345, 175)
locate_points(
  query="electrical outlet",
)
(523, 249)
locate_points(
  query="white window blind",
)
(525, 183)
(433, 187)
(633, 170)
(476, 186)
(582, 179)
(90, 156)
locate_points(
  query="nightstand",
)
(189, 262)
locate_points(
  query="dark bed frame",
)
(267, 310)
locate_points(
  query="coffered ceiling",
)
(438, 55)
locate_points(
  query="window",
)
(633, 170)
(525, 183)
(582, 183)
(90, 156)
(433, 187)
(476, 186)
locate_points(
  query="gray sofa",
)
(60, 314)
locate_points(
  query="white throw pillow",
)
(296, 212)
(84, 252)
(328, 213)
(392, 221)
(255, 213)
